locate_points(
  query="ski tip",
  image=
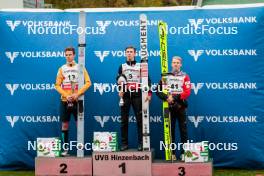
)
(162, 23)
(143, 16)
(163, 27)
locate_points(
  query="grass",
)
(217, 172)
(238, 172)
(15, 173)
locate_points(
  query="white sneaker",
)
(182, 157)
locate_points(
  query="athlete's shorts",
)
(65, 112)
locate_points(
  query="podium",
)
(126, 163)
(63, 166)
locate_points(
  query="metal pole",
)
(199, 3)
(81, 63)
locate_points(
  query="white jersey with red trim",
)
(179, 83)
(70, 74)
(132, 74)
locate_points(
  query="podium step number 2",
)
(63, 166)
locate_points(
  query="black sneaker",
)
(124, 147)
(65, 153)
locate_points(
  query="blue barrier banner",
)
(222, 49)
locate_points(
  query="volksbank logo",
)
(55, 27)
(195, 23)
(224, 20)
(102, 120)
(125, 23)
(103, 24)
(196, 87)
(12, 56)
(103, 54)
(34, 54)
(224, 52)
(223, 86)
(29, 23)
(212, 26)
(196, 120)
(12, 88)
(12, 120)
(196, 54)
(32, 119)
(13, 24)
(29, 87)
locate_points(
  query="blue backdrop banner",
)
(222, 51)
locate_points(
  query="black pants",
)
(179, 114)
(65, 112)
(136, 103)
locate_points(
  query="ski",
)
(81, 64)
(144, 82)
(165, 106)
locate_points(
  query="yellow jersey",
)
(67, 81)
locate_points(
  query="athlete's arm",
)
(159, 92)
(186, 88)
(87, 83)
(58, 83)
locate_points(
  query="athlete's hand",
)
(148, 98)
(170, 99)
(75, 96)
(69, 98)
(121, 94)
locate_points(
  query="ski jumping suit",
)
(178, 85)
(67, 84)
(132, 96)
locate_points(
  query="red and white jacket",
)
(175, 84)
